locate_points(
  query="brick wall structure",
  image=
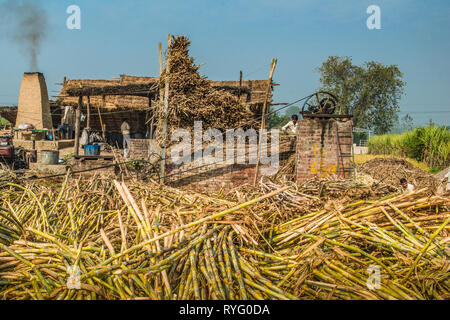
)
(139, 148)
(34, 106)
(211, 178)
(324, 147)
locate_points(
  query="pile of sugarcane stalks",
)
(94, 239)
(332, 253)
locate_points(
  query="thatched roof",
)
(140, 90)
(133, 92)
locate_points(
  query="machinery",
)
(6, 149)
(11, 156)
(321, 104)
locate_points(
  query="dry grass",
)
(362, 158)
(193, 98)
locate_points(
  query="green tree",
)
(275, 120)
(4, 122)
(292, 110)
(407, 123)
(371, 92)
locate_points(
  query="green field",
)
(430, 145)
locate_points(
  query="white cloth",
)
(410, 188)
(26, 126)
(125, 128)
(290, 127)
(84, 138)
(69, 116)
(126, 145)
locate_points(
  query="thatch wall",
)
(115, 107)
(126, 79)
(106, 101)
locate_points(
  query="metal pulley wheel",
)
(321, 103)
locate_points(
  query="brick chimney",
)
(34, 107)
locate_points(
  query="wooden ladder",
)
(347, 172)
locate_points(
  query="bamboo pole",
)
(88, 106)
(161, 96)
(160, 58)
(150, 118)
(166, 111)
(77, 125)
(240, 84)
(100, 117)
(263, 116)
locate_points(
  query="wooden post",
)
(88, 121)
(101, 120)
(160, 58)
(240, 84)
(150, 117)
(77, 125)
(161, 92)
(263, 114)
(166, 111)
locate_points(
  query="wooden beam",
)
(160, 58)
(161, 91)
(149, 118)
(88, 106)
(240, 84)
(166, 111)
(77, 125)
(100, 116)
(263, 116)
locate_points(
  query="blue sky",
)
(119, 36)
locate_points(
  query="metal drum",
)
(49, 157)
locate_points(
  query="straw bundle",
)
(193, 98)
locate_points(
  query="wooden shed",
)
(109, 102)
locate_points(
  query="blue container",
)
(92, 150)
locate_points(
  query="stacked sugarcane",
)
(391, 170)
(91, 239)
(193, 98)
(339, 253)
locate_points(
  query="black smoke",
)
(25, 24)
